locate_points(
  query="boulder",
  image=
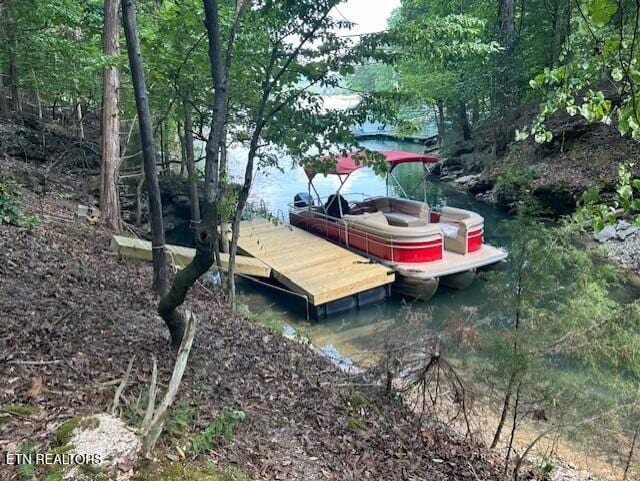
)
(606, 234)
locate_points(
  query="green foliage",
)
(626, 200)
(222, 427)
(513, 185)
(183, 418)
(10, 212)
(27, 471)
(555, 305)
(602, 49)
(20, 409)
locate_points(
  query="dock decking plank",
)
(308, 264)
(181, 256)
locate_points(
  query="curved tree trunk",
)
(109, 173)
(160, 270)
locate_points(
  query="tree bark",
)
(110, 167)
(12, 44)
(506, 24)
(224, 224)
(464, 120)
(627, 465)
(160, 270)
(440, 120)
(191, 165)
(4, 109)
(505, 411)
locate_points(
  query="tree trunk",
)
(464, 120)
(224, 224)
(206, 238)
(506, 24)
(505, 411)
(78, 115)
(514, 427)
(183, 153)
(110, 167)
(12, 44)
(207, 235)
(191, 165)
(440, 120)
(160, 270)
(632, 449)
(4, 109)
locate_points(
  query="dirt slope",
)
(73, 314)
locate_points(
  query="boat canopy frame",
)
(346, 165)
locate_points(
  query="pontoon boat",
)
(423, 245)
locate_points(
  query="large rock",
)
(624, 229)
(606, 234)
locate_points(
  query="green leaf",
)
(625, 192)
(616, 74)
(601, 11)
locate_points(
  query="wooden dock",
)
(309, 265)
(181, 256)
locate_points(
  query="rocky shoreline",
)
(620, 241)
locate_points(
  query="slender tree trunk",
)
(464, 120)
(440, 120)
(224, 224)
(183, 153)
(506, 24)
(514, 427)
(110, 167)
(632, 449)
(191, 165)
(4, 110)
(207, 234)
(505, 411)
(12, 44)
(160, 270)
(79, 117)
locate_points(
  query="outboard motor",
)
(303, 199)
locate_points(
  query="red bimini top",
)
(355, 160)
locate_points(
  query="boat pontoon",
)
(423, 245)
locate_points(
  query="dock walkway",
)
(310, 265)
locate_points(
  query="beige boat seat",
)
(404, 220)
(370, 218)
(408, 207)
(456, 226)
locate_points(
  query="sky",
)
(370, 15)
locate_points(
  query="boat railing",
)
(346, 230)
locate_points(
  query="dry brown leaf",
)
(36, 386)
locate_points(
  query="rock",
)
(486, 197)
(481, 185)
(629, 231)
(108, 440)
(606, 234)
(622, 225)
(436, 170)
(467, 180)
